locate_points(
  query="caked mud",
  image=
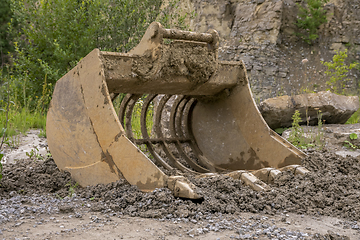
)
(332, 188)
(189, 59)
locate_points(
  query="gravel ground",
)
(37, 202)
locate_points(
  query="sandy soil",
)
(97, 225)
(37, 202)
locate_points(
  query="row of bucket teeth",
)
(258, 180)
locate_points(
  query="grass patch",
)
(354, 118)
(20, 121)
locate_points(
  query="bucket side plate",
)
(232, 134)
(85, 136)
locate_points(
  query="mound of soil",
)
(332, 188)
(40, 177)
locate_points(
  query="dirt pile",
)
(28, 177)
(331, 189)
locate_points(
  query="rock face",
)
(262, 34)
(335, 109)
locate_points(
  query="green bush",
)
(337, 70)
(309, 19)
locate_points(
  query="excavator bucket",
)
(203, 119)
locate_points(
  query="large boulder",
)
(335, 109)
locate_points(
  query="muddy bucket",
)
(203, 119)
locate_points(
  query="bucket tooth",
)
(266, 175)
(249, 180)
(214, 126)
(181, 187)
(205, 175)
(295, 169)
(301, 170)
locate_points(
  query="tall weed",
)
(303, 140)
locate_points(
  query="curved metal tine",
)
(128, 115)
(113, 96)
(186, 114)
(145, 134)
(159, 134)
(179, 115)
(174, 135)
(122, 109)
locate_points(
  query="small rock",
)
(66, 209)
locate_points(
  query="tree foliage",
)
(56, 34)
(310, 17)
(5, 43)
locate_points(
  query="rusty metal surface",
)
(214, 124)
